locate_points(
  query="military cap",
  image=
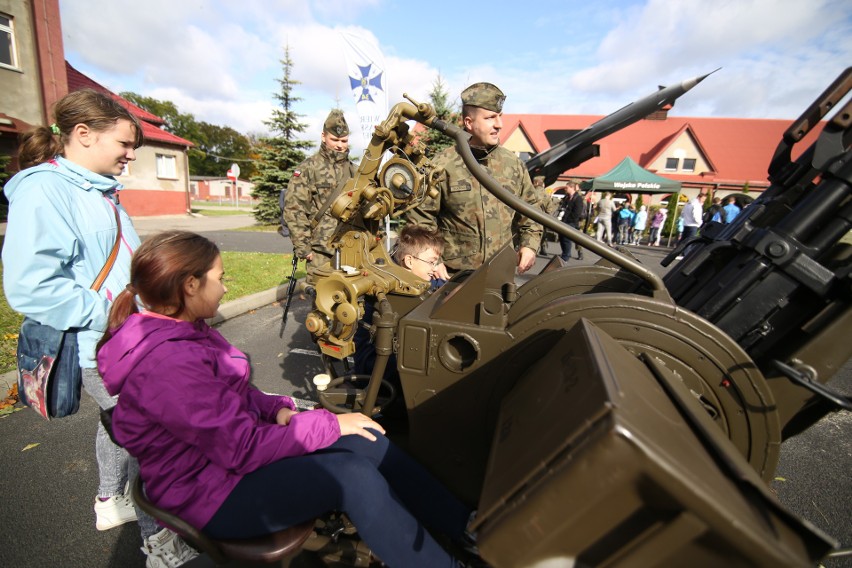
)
(484, 95)
(335, 124)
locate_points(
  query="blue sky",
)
(220, 59)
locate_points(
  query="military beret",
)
(336, 124)
(484, 95)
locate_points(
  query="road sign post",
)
(234, 174)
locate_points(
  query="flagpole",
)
(367, 74)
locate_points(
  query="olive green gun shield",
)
(602, 458)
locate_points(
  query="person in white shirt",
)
(692, 215)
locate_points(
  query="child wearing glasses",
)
(419, 249)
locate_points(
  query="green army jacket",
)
(474, 223)
(312, 182)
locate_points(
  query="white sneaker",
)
(114, 512)
(167, 550)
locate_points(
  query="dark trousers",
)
(389, 497)
(689, 231)
(567, 243)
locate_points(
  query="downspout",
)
(186, 180)
(50, 54)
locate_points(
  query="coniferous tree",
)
(4, 163)
(436, 141)
(4, 175)
(670, 227)
(281, 152)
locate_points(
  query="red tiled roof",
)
(150, 122)
(737, 149)
(12, 125)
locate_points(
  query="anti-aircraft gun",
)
(592, 415)
(777, 280)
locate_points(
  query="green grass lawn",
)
(245, 273)
(10, 323)
(220, 212)
(250, 272)
(225, 203)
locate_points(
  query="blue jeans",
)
(389, 497)
(115, 465)
(565, 243)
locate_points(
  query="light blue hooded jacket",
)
(60, 232)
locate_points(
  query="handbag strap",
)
(96, 285)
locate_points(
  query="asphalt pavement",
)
(48, 476)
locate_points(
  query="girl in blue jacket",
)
(61, 229)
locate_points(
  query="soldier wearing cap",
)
(474, 223)
(312, 183)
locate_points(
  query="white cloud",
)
(667, 36)
(220, 60)
(763, 47)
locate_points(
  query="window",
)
(166, 166)
(689, 164)
(671, 164)
(8, 57)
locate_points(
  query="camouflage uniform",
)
(312, 182)
(474, 223)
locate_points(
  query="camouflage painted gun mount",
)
(595, 416)
(361, 265)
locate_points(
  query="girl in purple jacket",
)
(232, 460)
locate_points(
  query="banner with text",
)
(365, 66)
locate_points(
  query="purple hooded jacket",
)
(186, 411)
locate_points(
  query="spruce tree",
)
(436, 141)
(280, 152)
(670, 227)
(4, 163)
(4, 203)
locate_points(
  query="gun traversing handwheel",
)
(344, 394)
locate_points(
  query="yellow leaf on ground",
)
(30, 446)
(780, 479)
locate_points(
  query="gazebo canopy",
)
(630, 177)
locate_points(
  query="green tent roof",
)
(630, 177)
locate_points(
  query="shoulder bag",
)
(49, 373)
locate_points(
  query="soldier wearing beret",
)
(312, 182)
(474, 223)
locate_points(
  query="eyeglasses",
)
(433, 264)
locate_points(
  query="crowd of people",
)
(623, 224)
(143, 340)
